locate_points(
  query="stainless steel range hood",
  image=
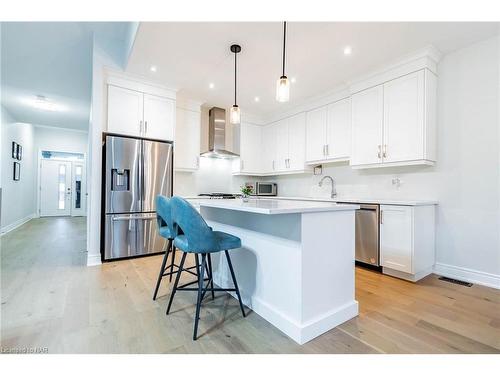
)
(217, 135)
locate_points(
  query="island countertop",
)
(272, 206)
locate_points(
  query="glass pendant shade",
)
(283, 89)
(234, 114)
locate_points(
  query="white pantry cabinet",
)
(394, 123)
(407, 244)
(136, 113)
(328, 133)
(187, 140)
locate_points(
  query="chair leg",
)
(200, 291)
(234, 282)
(177, 277)
(172, 263)
(162, 269)
(211, 275)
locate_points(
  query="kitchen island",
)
(296, 264)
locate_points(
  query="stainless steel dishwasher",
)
(367, 234)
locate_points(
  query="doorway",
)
(62, 184)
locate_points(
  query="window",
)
(62, 186)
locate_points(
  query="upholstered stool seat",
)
(198, 238)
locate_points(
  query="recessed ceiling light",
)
(347, 50)
(257, 99)
(293, 79)
(153, 68)
(211, 85)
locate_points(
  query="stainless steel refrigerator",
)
(136, 171)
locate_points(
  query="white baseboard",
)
(16, 224)
(466, 274)
(93, 260)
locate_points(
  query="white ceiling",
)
(53, 59)
(189, 56)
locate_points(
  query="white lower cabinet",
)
(407, 244)
(187, 140)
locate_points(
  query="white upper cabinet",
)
(281, 164)
(396, 119)
(404, 118)
(250, 148)
(367, 126)
(125, 111)
(328, 133)
(338, 130)
(316, 134)
(269, 141)
(159, 117)
(187, 139)
(296, 142)
(140, 110)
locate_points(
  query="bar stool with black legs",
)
(165, 228)
(199, 238)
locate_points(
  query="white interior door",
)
(55, 188)
(79, 191)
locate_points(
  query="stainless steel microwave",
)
(263, 188)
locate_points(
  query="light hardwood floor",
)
(49, 298)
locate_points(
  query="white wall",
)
(466, 177)
(18, 198)
(59, 139)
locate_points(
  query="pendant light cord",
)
(235, 54)
(284, 46)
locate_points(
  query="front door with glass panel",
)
(55, 188)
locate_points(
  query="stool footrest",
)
(208, 289)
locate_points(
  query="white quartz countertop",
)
(272, 206)
(358, 200)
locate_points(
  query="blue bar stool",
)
(166, 230)
(199, 238)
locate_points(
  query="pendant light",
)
(234, 112)
(283, 84)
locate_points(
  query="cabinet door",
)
(338, 130)
(404, 118)
(297, 142)
(316, 121)
(187, 139)
(250, 148)
(269, 145)
(367, 124)
(396, 237)
(281, 145)
(125, 111)
(159, 117)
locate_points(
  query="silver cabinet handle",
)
(327, 150)
(381, 217)
(198, 161)
(145, 126)
(324, 152)
(140, 126)
(241, 164)
(379, 151)
(384, 154)
(273, 165)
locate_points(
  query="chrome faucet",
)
(334, 192)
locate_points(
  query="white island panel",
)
(294, 269)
